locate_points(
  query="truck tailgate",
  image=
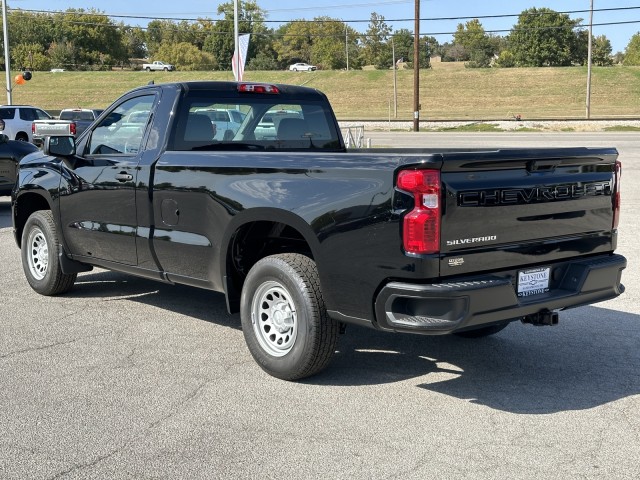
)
(509, 208)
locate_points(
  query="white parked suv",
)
(302, 67)
(16, 120)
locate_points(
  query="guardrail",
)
(354, 137)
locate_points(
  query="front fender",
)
(37, 188)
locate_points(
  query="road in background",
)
(126, 378)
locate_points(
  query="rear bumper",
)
(480, 300)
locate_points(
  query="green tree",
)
(29, 55)
(294, 42)
(220, 42)
(544, 37)
(31, 28)
(185, 56)
(62, 55)
(478, 47)
(374, 40)
(632, 52)
(134, 41)
(94, 36)
(601, 52)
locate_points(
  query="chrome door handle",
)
(124, 177)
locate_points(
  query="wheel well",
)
(25, 206)
(20, 135)
(252, 242)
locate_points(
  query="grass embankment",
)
(447, 91)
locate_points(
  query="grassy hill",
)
(447, 91)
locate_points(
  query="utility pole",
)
(395, 80)
(416, 70)
(589, 57)
(7, 58)
(346, 44)
(236, 38)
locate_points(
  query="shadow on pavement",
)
(590, 359)
(5, 212)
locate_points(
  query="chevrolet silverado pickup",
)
(304, 236)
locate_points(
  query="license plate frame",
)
(533, 281)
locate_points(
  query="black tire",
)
(148, 69)
(292, 336)
(165, 69)
(22, 137)
(40, 262)
(483, 331)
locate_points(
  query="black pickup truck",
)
(304, 236)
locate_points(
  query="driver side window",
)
(122, 131)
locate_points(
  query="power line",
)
(427, 19)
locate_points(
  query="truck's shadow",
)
(5, 212)
(590, 359)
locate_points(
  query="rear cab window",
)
(208, 121)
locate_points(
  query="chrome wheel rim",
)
(274, 318)
(38, 255)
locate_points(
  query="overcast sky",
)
(394, 12)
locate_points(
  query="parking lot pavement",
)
(127, 378)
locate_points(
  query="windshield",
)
(253, 122)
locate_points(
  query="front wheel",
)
(284, 319)
(40, 260)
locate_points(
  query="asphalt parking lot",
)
(125, 378)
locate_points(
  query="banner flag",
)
(243, 46)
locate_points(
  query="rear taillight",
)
(616, 195)
(421, 227)
(72, 128)
(33, 128)
(2, 124)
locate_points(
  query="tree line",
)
(80, 39)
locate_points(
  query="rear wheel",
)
(40, 262)
(483, 331)
(284, 319)
(148, 69)
(22, 137)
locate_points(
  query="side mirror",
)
(59, 146)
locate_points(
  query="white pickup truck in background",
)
(158, 65)
(72, 121)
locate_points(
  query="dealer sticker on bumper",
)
(533, 282)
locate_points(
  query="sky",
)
(397, 13)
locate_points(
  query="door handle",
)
(124, 177)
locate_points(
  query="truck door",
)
(98, 211)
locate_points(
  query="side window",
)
(41, 115)
(27, 114)
(122, 131)
(7, 113)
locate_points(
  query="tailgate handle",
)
(542, 165)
